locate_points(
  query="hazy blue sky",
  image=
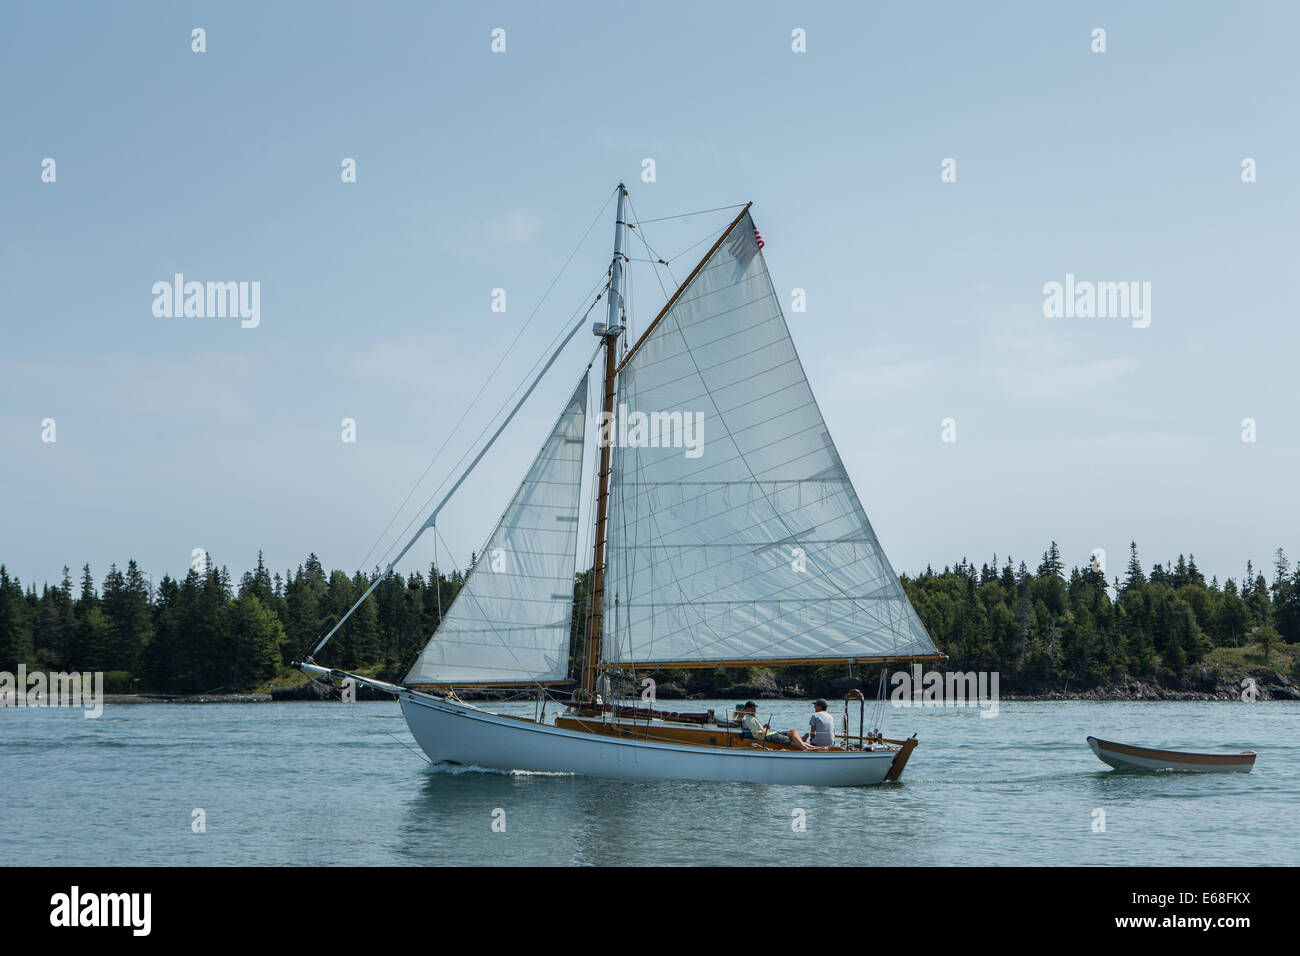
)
(478, 170)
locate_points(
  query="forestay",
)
(510, 621)
(751, 545)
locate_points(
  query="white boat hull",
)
(454, 732)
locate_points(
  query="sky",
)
(479, 170)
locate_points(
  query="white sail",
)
(510, 621)
(741, 539)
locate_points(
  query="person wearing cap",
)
(752, 729)
(821, 731)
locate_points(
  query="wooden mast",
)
(613, 329)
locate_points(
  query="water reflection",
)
(594, 821)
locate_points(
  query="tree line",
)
(1045, 626)
(205, 633)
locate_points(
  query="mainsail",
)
(509, 623)
(752, 544)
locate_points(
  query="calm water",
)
(310, 783)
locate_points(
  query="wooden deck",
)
(729, 737)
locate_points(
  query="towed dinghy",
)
(1129, 757)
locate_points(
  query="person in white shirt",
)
(821, 731)
(752, 729)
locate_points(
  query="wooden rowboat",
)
(1128, 757)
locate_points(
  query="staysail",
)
(509, 623)
(735, 534)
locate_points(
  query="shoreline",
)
(187, 698)
(1196, 684)
(1157, 696)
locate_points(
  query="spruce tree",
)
(1135, 577)
(16, 645)
(161, 659)
(1052, 563)
(256, 637)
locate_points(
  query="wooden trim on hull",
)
(904, 754)
(721, 737)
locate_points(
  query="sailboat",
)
(726, 534)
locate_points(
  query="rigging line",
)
(418, 753)
(595, 392)
(654, 264)
(437, 583)
(511, 396)
(878, 718)
(589, 544)
(473, 444)
(613, 572)
(617, 573)
(595, 395)
(640, 234)
(685, 215)
(433, 517)
(331, 690)
(485, 429)
(695, 244)
(487, 380)
(627, 294)
(635, 476)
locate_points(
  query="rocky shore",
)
(310, 691)
(1196, 684)
(186, 698)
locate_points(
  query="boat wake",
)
(456, 769)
